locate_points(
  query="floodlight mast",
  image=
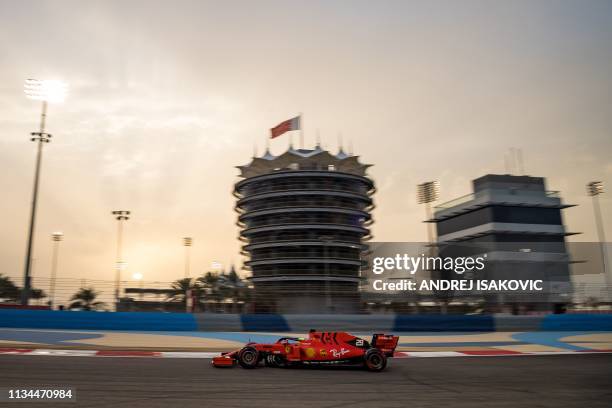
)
(427, 193)
(45, 91)
(594, 189)
(187, 243)
(120, 216)
(56, 237)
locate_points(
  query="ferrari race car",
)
(320, 348)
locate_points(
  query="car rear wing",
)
(385, 343)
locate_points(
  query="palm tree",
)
(37, 294)
(211, 283)
(12, 292)
(181, 286)
(209, 279)
(223, 286)
(85, 299)
(8, 290)
(233, 276)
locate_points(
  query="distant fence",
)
(147, 321)
(156, 296)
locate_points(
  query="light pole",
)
(56, 237)
(187, 243)
(427, 193)
(45, 91)
(594, 189)
(120, 216)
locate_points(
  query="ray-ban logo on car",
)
(340, 353)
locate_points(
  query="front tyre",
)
(375, 360)
(248, 357)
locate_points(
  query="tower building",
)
(518, 225)
(304, 218)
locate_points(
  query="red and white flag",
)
(286, 126)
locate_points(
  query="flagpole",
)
(301, 130)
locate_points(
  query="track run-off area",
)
(168, 369)
(559, 380)
(487, 343)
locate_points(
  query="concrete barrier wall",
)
(456, 323)
(577, 322)
(50, 319)
(302, 323)
(264, 322)
(518, 323)
(212, 322)
(126, 321)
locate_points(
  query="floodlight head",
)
(137, 276)
(57, 236)
(121, 215)
(595, 188)
(48, 90)
(187, 241)
(428, 192)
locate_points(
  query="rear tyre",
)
(375, 360)
(248, 357)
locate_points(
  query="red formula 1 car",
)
(320, 348)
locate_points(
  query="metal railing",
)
(284, 203)
(472, 196)
(249, 190)
(267, 220)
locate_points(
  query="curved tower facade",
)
(304, 218)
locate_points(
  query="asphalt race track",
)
(517, 381)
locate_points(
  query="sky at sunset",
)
(166, 98)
